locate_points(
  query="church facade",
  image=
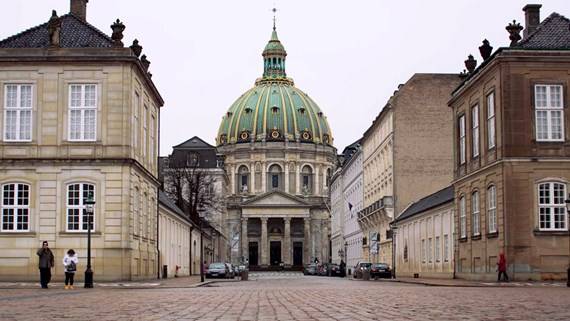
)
(279, 156)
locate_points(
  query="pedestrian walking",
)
(46, 262)
(502, 267)
(70, 264)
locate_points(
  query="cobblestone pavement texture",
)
(292, 298)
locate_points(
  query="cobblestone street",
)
(289, 297)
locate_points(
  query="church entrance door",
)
(253, 256)
(275, 252)
(298, 253)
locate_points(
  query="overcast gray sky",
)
(349, 56)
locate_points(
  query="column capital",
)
(264, 219)
(287, 219)
(244, 219)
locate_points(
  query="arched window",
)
(15, 207)
(274, 177)
(551, 206)
(475, 213)
(243, 179)
(492, 208)
(77, 218)
(307, 179)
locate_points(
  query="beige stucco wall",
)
(124, 241)
(435, 224)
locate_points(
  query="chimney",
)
(79, 8)
(531, 18)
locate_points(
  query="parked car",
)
(323, 269)
(360, 268)
(217, 270)
(335, 270)
(310, 269)
(380, 270)
(231, 273)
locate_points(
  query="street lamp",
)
(567, 201)
(89, 209)
(202, 267)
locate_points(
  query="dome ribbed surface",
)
(274, 111)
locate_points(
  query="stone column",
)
(263, 178)
(252, 178)
(286, 177)
(287, 242)
(232, 179)
(264, 242)
(244, 239)
(307, 241)
(298, 180)
(317, 188)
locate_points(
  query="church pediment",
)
(275, 198)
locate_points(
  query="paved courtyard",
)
(288, 297)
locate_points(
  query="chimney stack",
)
(79, 8)
(531, 18)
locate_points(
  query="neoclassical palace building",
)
(279, 155)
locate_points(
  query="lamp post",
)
(567, 201)
(202, 267)
(89, 209)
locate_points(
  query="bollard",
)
(244, 275)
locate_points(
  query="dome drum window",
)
(244, 136)
(326, 139)
(306, 135)
(223, 139)
(275, 134)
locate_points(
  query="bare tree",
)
(193, 190)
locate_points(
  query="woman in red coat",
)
(502, 267)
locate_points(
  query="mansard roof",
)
(194, 143)
(75, 33)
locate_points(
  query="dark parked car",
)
(360, 268)
(380, 270)
(310, 269)
(218, 270)
(335, 270)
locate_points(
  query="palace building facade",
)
(278, 153)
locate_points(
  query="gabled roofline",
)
(194, 137)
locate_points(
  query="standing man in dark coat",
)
(46, 262)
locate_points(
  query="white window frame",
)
(424, 251)
(462, 218)
(462, 149)
(429, 250)
(492, 208)
(136, 107)
(15, 208)
(152, 139)
(19, 109)
(445, 248)
(552, 206)
(475, 131)
(549, 109)
(145, 131)
(491, 126)
(475, 214)
(81, 206)
(437, 248)
(82, 108)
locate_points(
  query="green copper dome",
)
(274, 110)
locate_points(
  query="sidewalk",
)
(181, 282)
(467, 283)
